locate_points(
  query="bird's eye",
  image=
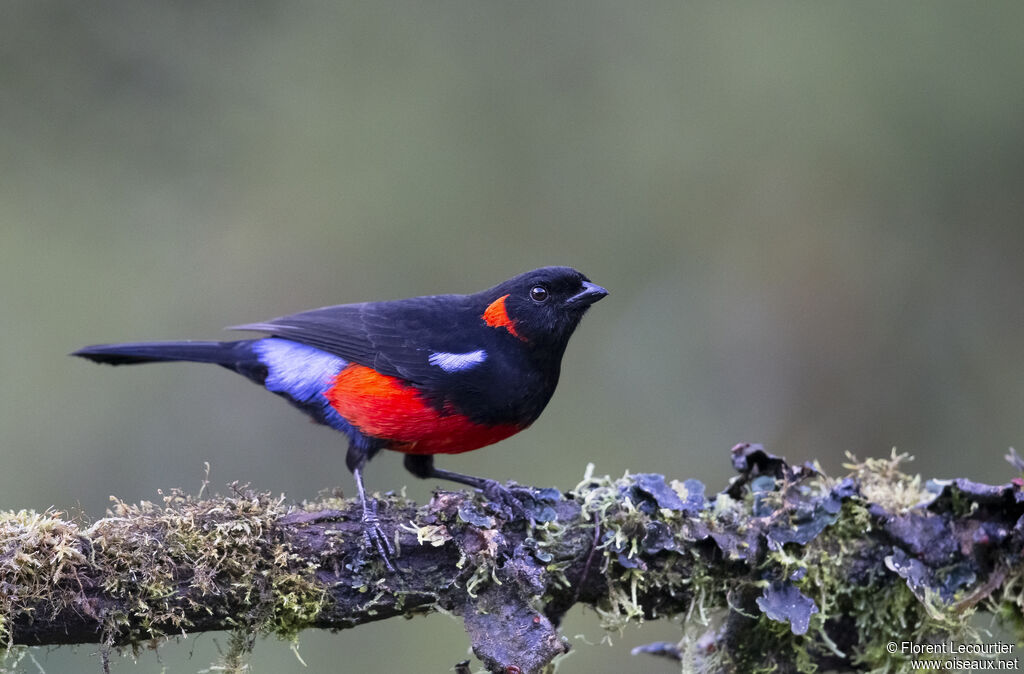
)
(538, 293)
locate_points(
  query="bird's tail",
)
(228, 354)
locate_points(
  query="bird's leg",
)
(422, 466)
(373, 534)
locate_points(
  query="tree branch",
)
(786, 568)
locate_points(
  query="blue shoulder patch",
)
(301, 372)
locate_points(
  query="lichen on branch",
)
(785, 570)
(148, 571)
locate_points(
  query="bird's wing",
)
(396, 338)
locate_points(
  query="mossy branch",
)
(786, 570)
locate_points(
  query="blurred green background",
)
(810, 217)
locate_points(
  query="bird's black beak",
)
(591, 293)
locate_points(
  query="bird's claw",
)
(374, 535)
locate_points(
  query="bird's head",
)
(541, 307)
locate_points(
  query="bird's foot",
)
(506, 499)
(374, 536)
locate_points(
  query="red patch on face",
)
(387, 408)
(496, 316)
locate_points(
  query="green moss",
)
(225, 552)
(882, 482)
(848, 589)
(217, 548)
(879, 606)
(298, 601)
(222, 552)
(37, 552)
(1008, 604)
(623, 526)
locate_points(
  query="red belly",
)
(388, 409)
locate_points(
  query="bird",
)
(428, 375)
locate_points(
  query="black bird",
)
(440, 374)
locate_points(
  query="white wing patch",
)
(457, 362)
